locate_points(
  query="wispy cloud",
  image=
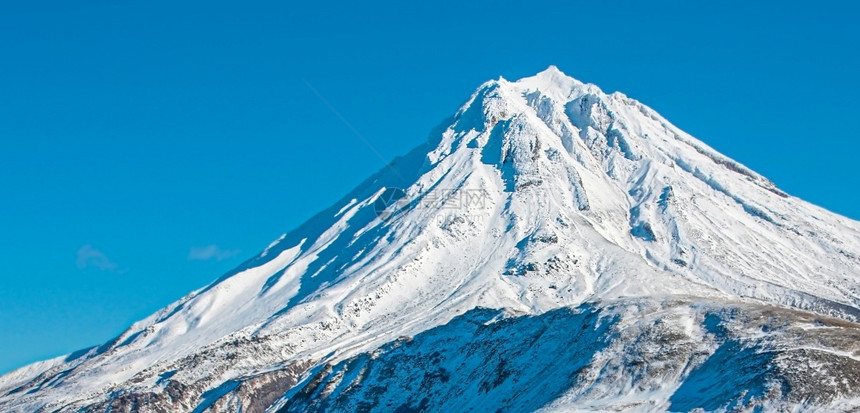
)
(210, 252)
(89, 257)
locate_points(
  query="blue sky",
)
(148, 147)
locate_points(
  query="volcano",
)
(550, 247)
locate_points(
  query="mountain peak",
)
(554, 83)
(551, 71)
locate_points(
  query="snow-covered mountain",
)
(550, 247)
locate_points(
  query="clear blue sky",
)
(135, 137)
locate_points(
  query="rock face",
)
(550, 247)
(607, 358)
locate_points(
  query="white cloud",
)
(89, 257)
(210, 252)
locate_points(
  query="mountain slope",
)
(545, 199)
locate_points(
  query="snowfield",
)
(551, 247)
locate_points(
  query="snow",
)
(584, 197)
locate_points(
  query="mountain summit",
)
(550, 247)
